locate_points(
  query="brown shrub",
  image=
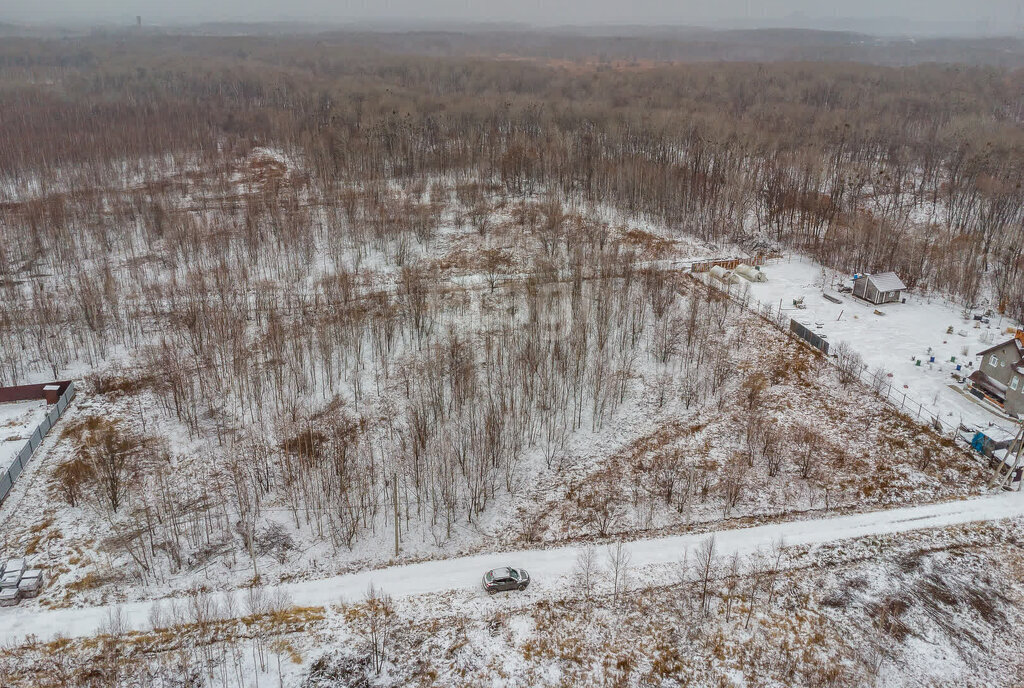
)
(115, 385)
(888, 617)
(71, 478)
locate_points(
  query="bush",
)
(71, 478)
(274, 540)
(849, 363)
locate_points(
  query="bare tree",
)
(806, 449)
(773, 568)
(110, 456)
(732, 583)
(379, 620)
(496, 263)
(587, 570)
(755, 573)
(618, 560)
(705, 563)
(732, 482)
(849, 362)
(772, 448)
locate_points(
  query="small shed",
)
(992, 440)
(883, 287)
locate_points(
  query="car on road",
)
(505, 578)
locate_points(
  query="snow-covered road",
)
(550, 569)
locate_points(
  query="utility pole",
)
(1003, 473)
(394, 498)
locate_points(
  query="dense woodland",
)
(833, 158)
(250, 235)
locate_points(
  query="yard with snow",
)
(18, 420)
(907, 333)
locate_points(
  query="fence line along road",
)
(22, 459)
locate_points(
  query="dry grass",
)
(115, 385)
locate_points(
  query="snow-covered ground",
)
(907, 333)
(18, 421)
(551, 569)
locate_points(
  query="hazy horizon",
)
(935, 16)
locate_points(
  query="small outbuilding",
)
(751, 273)
(883, 287)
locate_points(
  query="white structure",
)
(751, 273)
(723, 275)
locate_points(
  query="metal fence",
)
(898, 399)
(22, 459)
(808, 336)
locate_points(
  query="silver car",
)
(505, 578)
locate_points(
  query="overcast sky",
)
(1002, 14)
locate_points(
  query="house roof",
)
(886, 281)
(1000, 345)
(998, 434)
(984, 380)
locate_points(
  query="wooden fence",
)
(730, 263)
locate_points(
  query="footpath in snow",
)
(550, 569)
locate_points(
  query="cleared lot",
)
(907, 333)
(18, 420)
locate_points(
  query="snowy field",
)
(17, 423)
(908, 332)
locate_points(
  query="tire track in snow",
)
(550, 569)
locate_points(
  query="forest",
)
(328, 292)
(261, 241)
(349, 300)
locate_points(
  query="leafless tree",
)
(706, 563)
(378, 626)
(586, 570)
(110, 456)
(618, 560)
(732, 583)
(849, 362)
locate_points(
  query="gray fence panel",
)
(14, 471)
(53, 416)
(44, 426)
(5, 485)
(62, 404)
(25, 453)
(808, 336)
